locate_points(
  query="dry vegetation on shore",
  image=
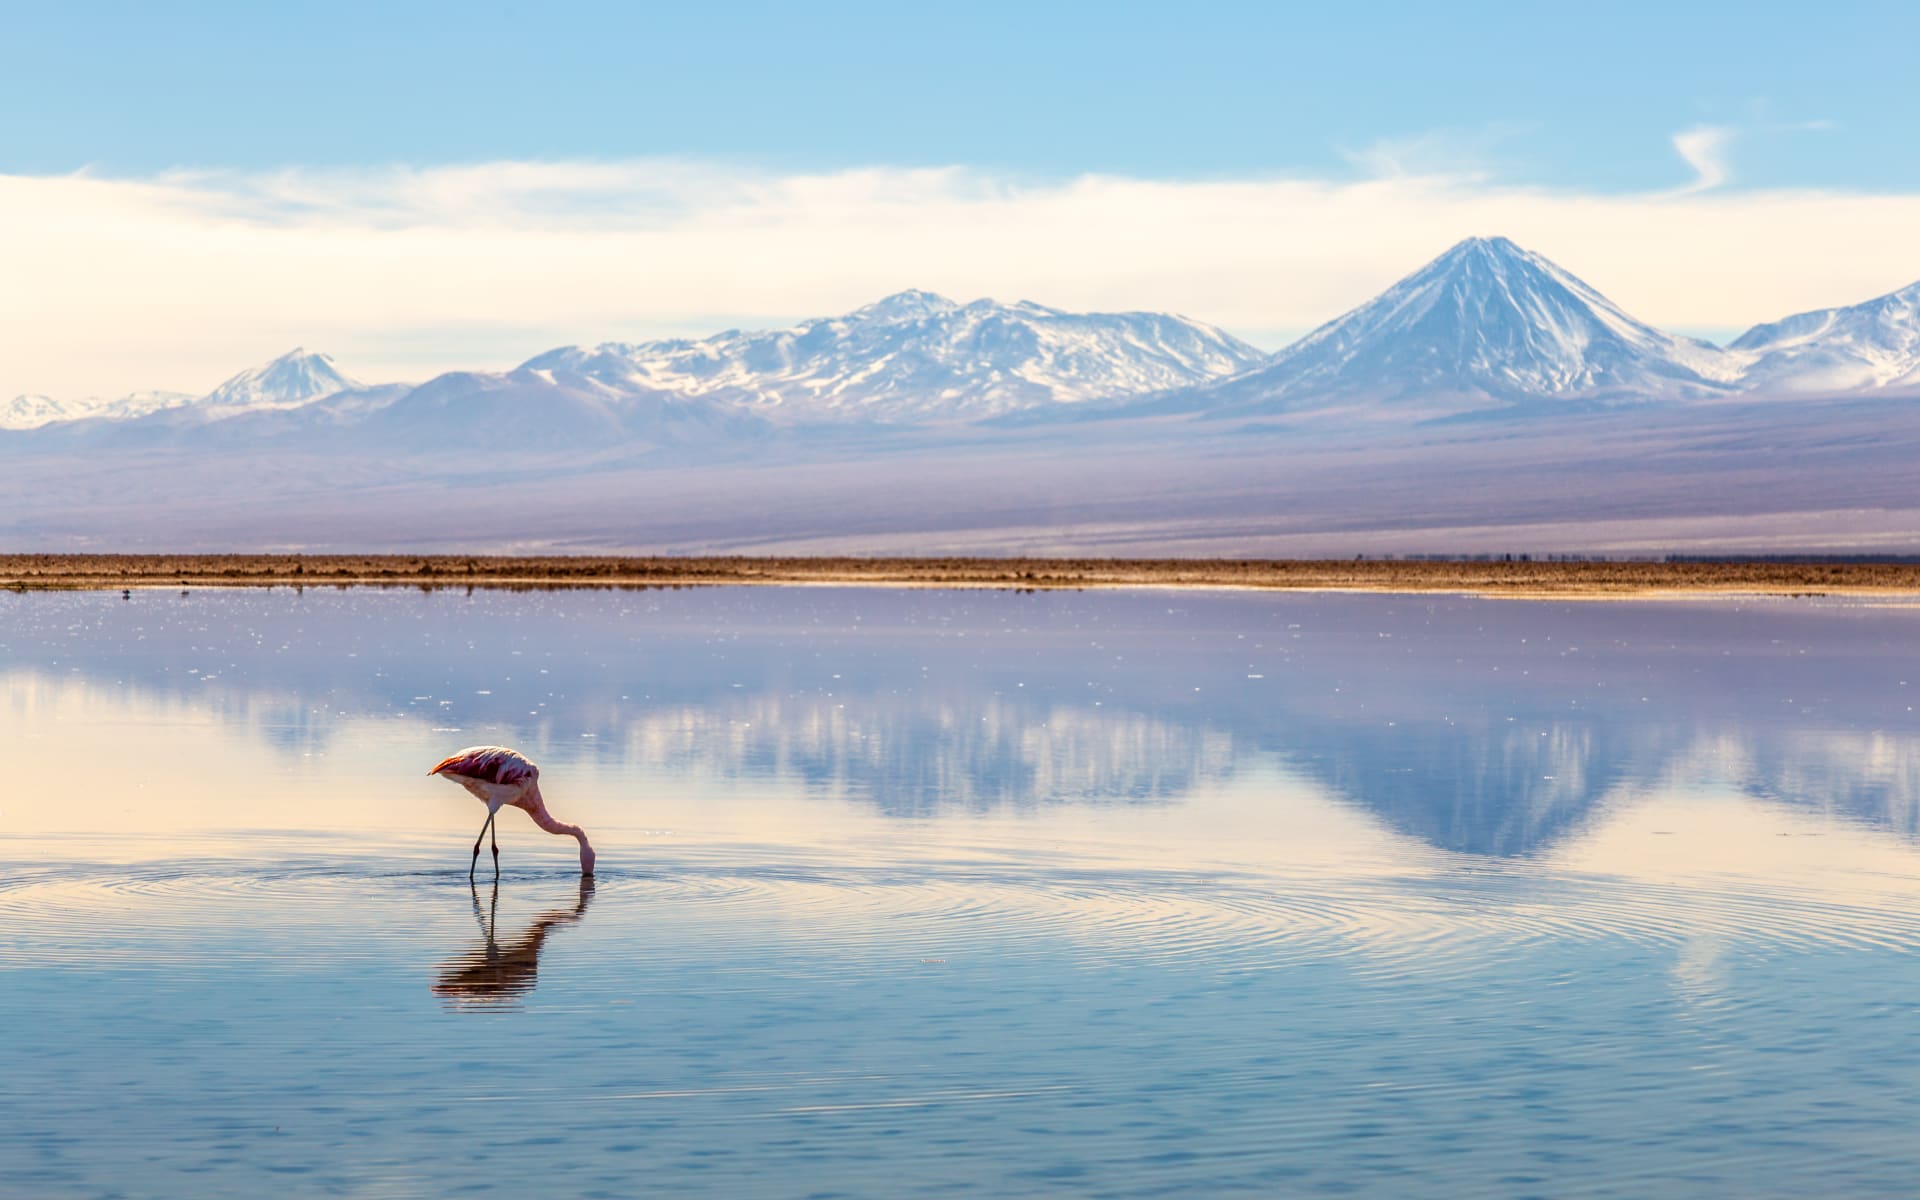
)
(1501, 578)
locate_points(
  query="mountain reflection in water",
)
(1489, 728)
(494, 974)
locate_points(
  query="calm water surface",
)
(913, 893)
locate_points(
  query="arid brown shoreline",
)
(32, 572)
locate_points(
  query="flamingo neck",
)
(536, 808)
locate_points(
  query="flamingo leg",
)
(476, 850)
(489, 919)
(495, 839)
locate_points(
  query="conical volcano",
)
(1485, 325)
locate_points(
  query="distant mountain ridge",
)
(1875, 344)
(1491, 402)
(33, 411)
(1486, 327)
(918, 356)
(289, 381)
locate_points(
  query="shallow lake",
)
(914, 893)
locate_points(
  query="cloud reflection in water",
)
(1476, 727)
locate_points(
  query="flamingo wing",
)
(491, 764)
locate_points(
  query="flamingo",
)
(497, 776)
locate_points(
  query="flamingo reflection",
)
(496, 974)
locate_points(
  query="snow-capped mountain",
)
(918, 356)
(1861, 347)
(139, 404)
(294, 378)
(1485, 324)
(1486, 327)
(31, 412)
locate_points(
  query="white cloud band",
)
(177, 280)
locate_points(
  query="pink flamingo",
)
(497, 776)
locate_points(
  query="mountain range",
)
(1490, 402)
(1485, 327)
(293, 379)
(910, 357)
(917, 356)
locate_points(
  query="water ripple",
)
(1003, 907)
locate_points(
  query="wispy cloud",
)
(1464, 154)
(180, 279)
(1704, 147)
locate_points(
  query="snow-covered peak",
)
(31, 412)
(919, 356)
(1523, 318)
(910, 305)
(292, 379)
(139, 404)
(1488, 320)
(1875, 344)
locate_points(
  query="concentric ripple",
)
(760, 1008)
(1007, 908)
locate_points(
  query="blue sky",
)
(1565, 95)
(188, 189)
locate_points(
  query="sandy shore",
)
(1570, 580)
